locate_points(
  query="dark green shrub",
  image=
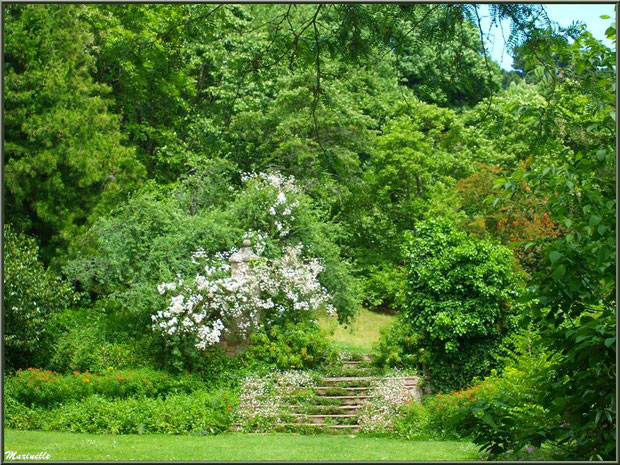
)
(500, 412)
(200, 412)
(33, 299)
(399, 347)
(301, 345)
(461, 302)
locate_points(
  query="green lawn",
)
(233, 446)
(361, 335)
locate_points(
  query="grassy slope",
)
(361, 335)
(234, 446)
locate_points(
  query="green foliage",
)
(143, 243)
(65, 159)
(296, 346)
(402, 185)
(84, 344)
(45, 388)
(582, 392)
(151, 238)
(576, 282)
(413, 423)
(343, 97)
(443, 63)
(507, 406)
(201, 412)
(399, 347)
(461, 301)
(33, 300)
(308, 225)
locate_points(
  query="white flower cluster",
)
(262, 396)
(214, 302)
(281, 207)
(257, 399)
(378, 413)
(292, 284)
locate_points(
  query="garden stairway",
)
(337, 401)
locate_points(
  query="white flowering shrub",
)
(214, 303)
(262, 399)
(379, 413)
(276, 207)
(279, 199)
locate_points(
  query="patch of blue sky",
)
(563, 14)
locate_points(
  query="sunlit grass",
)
(234, 446)
(361, 335)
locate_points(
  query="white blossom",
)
(215, 303)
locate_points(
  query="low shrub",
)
(291, 346)
(498, 411)
(399, 347)
(413, 422)
(45, 388)
(200, 412)
(83, 348)
(443, 411)
(508, 407)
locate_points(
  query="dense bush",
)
(33, 299)
(301, 345)
(45, 388)
(497, 411)
(461, 302)
(90, 340)
(200, 412)
(399, 347)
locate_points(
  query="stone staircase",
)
(337, 401)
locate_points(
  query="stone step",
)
(348, 400)
(323, 390)
(350, 372)
(320, 419)
(369, 378)
(325, 407)
(343, 428)
(352, 364)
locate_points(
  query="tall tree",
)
(64, 155)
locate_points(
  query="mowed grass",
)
(361, 335)
(233, 446)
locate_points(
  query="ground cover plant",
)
(231, 218)
(237, 446)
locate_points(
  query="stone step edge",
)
(360, 396)
(323, 425)
(316, 415)
(369, 378)
(343, 407)
(350, 388)
(314, 424)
